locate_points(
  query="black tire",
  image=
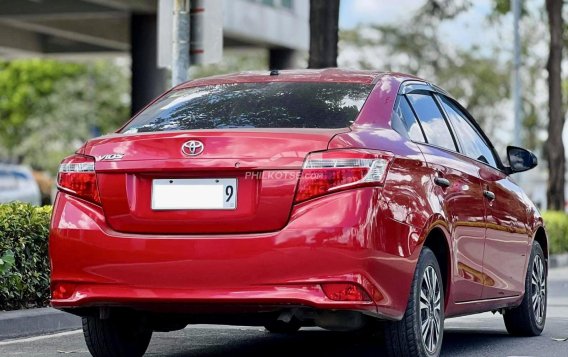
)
(528, 319)
(116, 337)
(404, 337)
(278, 326)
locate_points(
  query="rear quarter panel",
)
(406, 211)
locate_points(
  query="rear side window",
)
(432, 120)
(255, 105)
(404, 114)
(473, 144)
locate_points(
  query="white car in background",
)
(17, 183)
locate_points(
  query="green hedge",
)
(24, 261)
(557, 230)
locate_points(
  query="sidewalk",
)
(34, 322)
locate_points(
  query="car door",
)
(457, 190)
(507, 234)
(507, 237)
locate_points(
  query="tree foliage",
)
(554, 145)
(444, 9)
(479, 82)
(48, 108)
(23, 83)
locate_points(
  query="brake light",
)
(77, 177)
(330, 171)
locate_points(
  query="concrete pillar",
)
(148, 81)
(281, 58)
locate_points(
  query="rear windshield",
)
(255, 105)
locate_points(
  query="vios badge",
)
(110, 157)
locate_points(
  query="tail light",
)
(330, 171)
(77, 177)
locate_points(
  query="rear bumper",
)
(332, 239)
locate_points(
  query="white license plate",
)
(176, 194)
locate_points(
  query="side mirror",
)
(520, 159)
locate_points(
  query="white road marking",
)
(75, 332)
(37, 338)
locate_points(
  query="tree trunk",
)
(324, 26)
(554, 145)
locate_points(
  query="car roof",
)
(300, 75)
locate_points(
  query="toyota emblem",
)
(192, 148)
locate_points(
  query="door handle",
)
(489, 195)
(443, 182)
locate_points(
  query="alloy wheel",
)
(430, 309)
(538, 285)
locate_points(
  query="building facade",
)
(30, 28)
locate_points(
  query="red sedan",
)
(332, 198)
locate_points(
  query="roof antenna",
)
(274, 72)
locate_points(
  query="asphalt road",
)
(478, 335)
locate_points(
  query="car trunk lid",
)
(263, 164)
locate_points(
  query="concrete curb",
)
(34, 322)
(558, 260)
